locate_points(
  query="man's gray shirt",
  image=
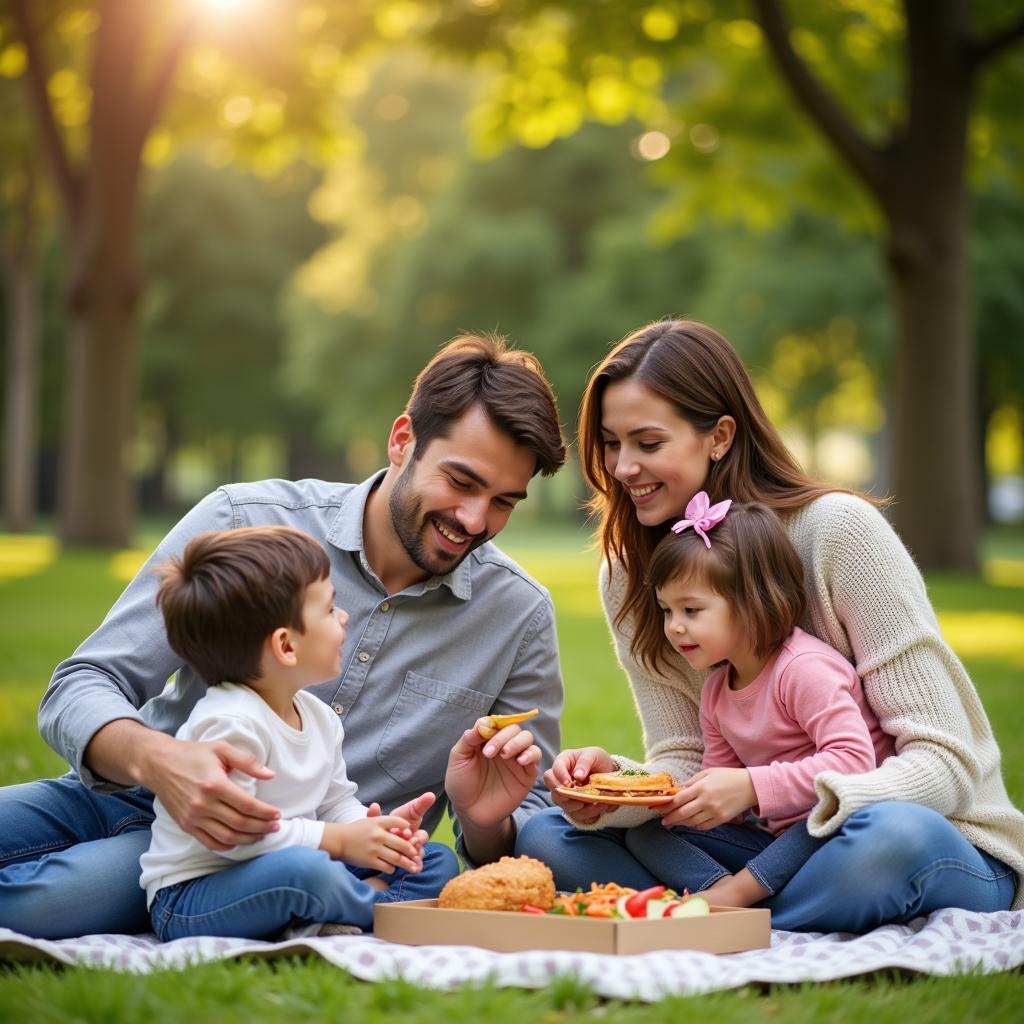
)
(418, 667)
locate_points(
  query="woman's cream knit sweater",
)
(867, 599)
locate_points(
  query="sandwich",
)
(628, 782)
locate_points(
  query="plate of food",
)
(624, 787)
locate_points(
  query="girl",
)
(669, 412)
(779, 707)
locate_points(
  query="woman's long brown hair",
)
(698, 371)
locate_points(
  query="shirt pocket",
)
(427, 720)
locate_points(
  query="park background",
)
(233, 230)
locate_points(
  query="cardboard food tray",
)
(423, 923)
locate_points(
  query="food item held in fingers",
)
(489, 725)
(627, 782)
(507, 884)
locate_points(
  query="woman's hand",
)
(577, 766)
(711, 798)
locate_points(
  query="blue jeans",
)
(69, 860)
(699, 858)
(889, 862)
(260, 898)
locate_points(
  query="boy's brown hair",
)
(230, 590)
(508, 383)
(751, 563)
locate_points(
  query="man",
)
(443, 628)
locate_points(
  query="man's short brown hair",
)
(230, 590)
(508, 383)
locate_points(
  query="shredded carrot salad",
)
(598, 902)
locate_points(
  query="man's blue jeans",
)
(889, 862)
(69, 860)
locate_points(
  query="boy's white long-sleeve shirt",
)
(310, 785)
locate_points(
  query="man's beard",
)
(409, 524)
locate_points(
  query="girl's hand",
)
(382, 842)
(577, 766)
(711, 798)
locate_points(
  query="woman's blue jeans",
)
(69, 861)
(889, 862)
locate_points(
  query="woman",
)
(669, 412)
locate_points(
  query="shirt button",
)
(385, 606)
(337, 709)
(363, 656)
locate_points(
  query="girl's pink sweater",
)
(804, 713)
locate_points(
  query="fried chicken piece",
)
(504, 885)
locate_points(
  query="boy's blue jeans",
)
(69, 862)
(260, 898)
(889, 862)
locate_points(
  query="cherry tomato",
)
(636, 905)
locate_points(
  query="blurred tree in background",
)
(98, 77)
(25, 216)
(328, 196)
(219, 248)
(895, 89)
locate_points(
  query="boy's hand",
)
(414, 810)
(407, 811)
(711, 798)
(380, 842)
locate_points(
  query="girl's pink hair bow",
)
(702, 515)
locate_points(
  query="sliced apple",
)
(657, 908)
(695, 906)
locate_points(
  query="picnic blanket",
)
(947, 942)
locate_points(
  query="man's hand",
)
(487, 780)
(382, 842)
(577, 766)
(711, 798)
(191, 780)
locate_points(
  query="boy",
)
(444, 630)
(252, 611)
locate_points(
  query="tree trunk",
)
(100, 199)
(918, 179)
(97, 493)
(935, 468)
(21, 401)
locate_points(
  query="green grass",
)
(283, 991)
(49, 602)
